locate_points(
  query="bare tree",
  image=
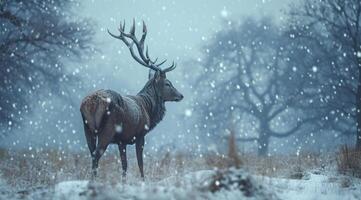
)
(251, 84)
(328, 32)
(36, 37)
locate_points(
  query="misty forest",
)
(147, 99)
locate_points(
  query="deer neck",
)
(153, 103)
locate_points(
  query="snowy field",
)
(279, 78)
(65, 175)
(316, 186)
(205, 184)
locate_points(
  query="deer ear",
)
(151, 74)
(155, 74)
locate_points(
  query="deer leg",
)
(90, 137)
(123, 158)
(139, 145)
(99, 151)
(105, 136)
(91, 140)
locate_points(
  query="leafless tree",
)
(328, 31)
(251, 84)
(36, 37)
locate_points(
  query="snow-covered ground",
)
(316, 187)
(195, 185)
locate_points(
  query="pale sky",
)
(176, 31)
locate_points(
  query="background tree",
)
(250, 84)
(36, 38)
(328, 34)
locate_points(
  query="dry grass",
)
(25, 169)
(34, 168)
(221, 161)
(273, 166)
(291, 166)
(233, 156)
(349, 161)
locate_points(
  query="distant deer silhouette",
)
(109, 117)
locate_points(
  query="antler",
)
(144, 59)
(173, 66)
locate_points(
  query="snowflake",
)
(224, 12)
(188, 112)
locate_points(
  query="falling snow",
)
(262, 81)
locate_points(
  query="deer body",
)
(131, 118)
(110, 118)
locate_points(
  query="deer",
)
(112, 118)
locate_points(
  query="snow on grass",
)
(82, 190)
(196, 185)
(190, 186)
(6, 192)
(70, 190)
(315, 186)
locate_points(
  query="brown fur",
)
(111, 118)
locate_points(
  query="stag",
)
(111, 118)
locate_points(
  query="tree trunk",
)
(263, 142)
(358, 105)
(263, 139)
(358, 115)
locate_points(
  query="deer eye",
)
(167, 84)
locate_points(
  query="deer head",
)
(165, 87)
(157, 76)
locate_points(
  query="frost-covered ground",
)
(316, 186)
(205, 184)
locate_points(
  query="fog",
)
(177, 31)
(265, 91)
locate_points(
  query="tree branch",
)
(16, 21)
(294, 129)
